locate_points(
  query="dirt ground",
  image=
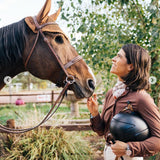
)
(97, 143)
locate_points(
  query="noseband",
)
(69, 78)
(63, 66)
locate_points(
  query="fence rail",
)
(28, 97)
(32, 97)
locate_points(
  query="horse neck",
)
(12, 43)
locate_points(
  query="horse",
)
(39, 46)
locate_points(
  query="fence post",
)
(52, 97)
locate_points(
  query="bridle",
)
(39, 29)
(68, 81)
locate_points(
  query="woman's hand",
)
(92, 105)
(119, 148)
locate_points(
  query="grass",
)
(43, 144)
(53, 144)
(40, 110)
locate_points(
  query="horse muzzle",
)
(81, 91)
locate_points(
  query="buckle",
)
(70, 79)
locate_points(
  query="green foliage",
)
(103, 27)
(50, 144)
(26, 79)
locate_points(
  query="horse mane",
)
(12, 42)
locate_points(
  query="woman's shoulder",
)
(144, 98)
(143, 95)
(140, 97)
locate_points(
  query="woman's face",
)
(120, 66)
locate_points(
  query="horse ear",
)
(55, 15)
(41, 17)
(43, 14)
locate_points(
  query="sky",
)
(14, 10)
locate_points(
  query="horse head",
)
(40, 61)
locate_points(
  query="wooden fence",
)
(32, 97)
(28, 97)
(48, 97)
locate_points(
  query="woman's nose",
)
(114, 59)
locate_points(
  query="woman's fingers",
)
(95, 96)
(92, 101)
(93, 105)
(89, 99)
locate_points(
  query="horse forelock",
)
(12, 41)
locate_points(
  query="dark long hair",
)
(138, 78)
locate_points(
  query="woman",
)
(131, 65)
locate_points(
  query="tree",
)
(27, 79)
(104, 26)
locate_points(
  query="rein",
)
(69, 78)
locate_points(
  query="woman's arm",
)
(96, 122)
(150, 113)
(100, 123)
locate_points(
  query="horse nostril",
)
(91, 84)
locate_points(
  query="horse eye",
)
(59, 39)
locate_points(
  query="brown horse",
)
(22, 50)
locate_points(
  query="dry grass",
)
(44, 144)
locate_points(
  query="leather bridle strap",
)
(74, 60)
(35, 42)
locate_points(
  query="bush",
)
(53, 144)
